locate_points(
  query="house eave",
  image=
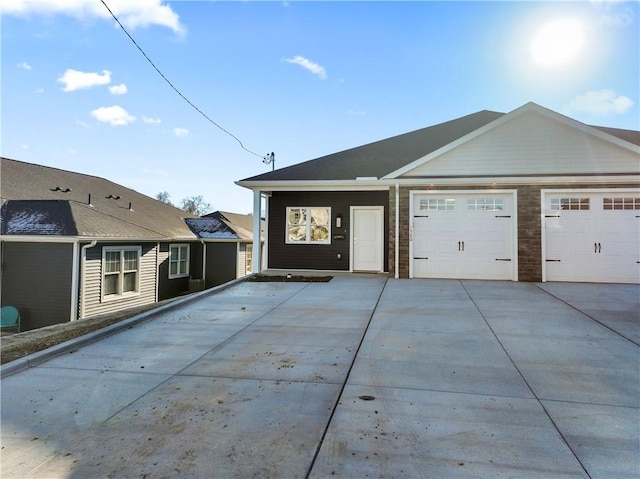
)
(318, 185)
(101, 239)
(621, 178)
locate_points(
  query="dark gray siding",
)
(221, 263)
(36, 279)
(319, 257)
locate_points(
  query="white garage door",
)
(592, 236)
(463, 236)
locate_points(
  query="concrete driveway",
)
(362, 376)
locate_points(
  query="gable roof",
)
(40, 200)
(388, 157)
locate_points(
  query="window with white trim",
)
(120, 271)
(178, 261)
(569, 204)
(308, 225)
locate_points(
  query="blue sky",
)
(302, 79)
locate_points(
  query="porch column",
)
(256, 260)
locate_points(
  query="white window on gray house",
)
(178, 261)
(308, 225)
(120, 271)
(248, 258)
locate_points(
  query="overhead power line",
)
(178, 91)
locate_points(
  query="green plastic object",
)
(9, 317)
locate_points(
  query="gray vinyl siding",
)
(319, 256)
(221, 263)
(92, 294)
(36, 279)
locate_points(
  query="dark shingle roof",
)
(383, 157)
(60, 199)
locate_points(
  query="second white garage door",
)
(463, 235)
(592, 236)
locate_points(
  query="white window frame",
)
(308, 239)
(178, 248)
(121, 293)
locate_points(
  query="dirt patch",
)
(15, 346)
(289, 278)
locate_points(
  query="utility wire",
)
(175, 89)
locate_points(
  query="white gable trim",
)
(528, 107)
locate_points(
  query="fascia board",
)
(519, 180)
(75, 239)
(317, 185)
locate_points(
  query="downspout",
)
(83, 259)
(204, 263)
(75, 261)
(157, 271)
(397, 239)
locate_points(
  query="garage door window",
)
(437, 205)
(621, 203)
(485, 204)
(569, 204)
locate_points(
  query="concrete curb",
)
(39, 357)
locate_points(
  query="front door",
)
(367, 235)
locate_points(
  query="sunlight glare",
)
(558, 42)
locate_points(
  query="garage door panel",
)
(595, 242)
(464, 237)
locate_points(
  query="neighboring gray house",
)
(229, 244)
(75, 246)
(530, 195)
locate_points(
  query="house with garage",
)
(530, 195)
(74, 246)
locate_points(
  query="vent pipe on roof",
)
(130, 206)
(89, 200)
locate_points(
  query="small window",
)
(437, 204)
(621, 203)
(248, 259)
(310, 225)
(120, 271)
(485, 204)
(178, 261)
(569, 204)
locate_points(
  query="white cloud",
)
(618, 19)
(308, 65)
(25, 66)
(77, 80)
(114, 115)
(151, 121)
(180, 132)
(600, 103)
(132, 14)
(118, 89)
